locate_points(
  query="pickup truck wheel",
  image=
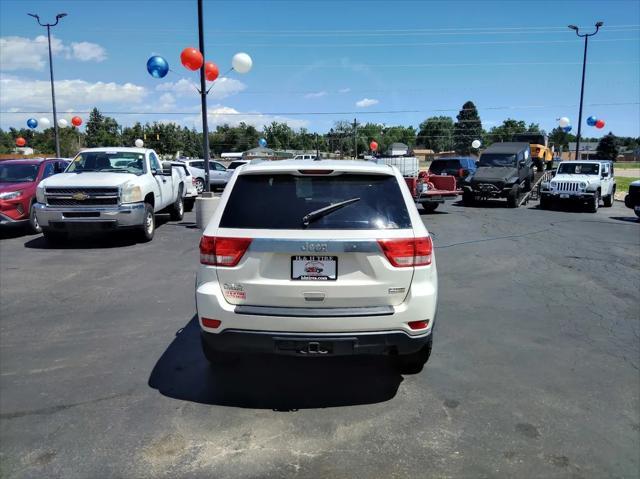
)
(177, 210)
(467, 198)
(53, 237)
(429, 207)
(595, 202)
(514, 196)
(148, 227)
(34, 226)
(413, 363)
(188, 204)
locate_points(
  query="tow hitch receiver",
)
(315, 346)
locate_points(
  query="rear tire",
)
(429, 207)
(468, 199)
(514, 196)
(34, 226)
(595, 202)
(177, 210)
(188, 204)
(54, 238)
(608, 200)
(413, 363)
(148, 227)
(199, 185)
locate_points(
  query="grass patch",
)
(627, 165)
(622, 184)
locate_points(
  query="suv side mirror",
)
(604, 174)
(166, 169)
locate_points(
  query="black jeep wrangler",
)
(505, 170)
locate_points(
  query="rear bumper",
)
(90, 218)
(317, 345)
(439, 196)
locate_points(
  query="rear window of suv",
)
(445, 166)
(280, 201)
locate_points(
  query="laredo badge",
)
(233, 291)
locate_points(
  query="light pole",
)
(53, 91)
(584, 67)
(203, 101)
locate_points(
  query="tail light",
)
(407, 252)
(222, 251)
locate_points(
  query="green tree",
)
(608, 148)
(436, 133)
(507, 130)
(102, 130)
(560, 139)
(467, 128)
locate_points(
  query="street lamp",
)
(584, 66)
(53, 91)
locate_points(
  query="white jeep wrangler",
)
(581, 181)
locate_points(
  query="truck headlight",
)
(545, 185)
(10, 195)
(131, 193)
(40, 197)
(583, 185)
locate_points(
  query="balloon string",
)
(224, 75)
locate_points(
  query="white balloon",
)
(476, 144)
(564, 122)
(62, 123)
(44, 123)
(139, 143)
(242, 63)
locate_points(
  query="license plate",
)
(314, 268)
(564, 196)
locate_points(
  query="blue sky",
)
(392, 62)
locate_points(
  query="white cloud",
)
(222, 88)
(76, 94)
(367, 102)
(344, 90)
(317, 94)
(87, 51)
(221, 115)
(20, 53)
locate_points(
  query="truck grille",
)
(567, 186)
(82, 196)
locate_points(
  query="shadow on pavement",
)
(14, 231)
(279, 383)
(497, 203)
(627, 219)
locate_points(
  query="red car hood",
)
(16, 186)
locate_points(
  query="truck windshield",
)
(497, 159)
(111, 161)
(578, 168)
(18, 173)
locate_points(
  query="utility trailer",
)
(428, 190)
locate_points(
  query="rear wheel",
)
(468, 199)
(608, 200)
(148, 227)
(514, 196)
(199, 185)
(34, 226)
(595, 202)
(177, 210)
(429, 207)
(413, 363)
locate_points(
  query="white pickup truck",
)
(108, 188)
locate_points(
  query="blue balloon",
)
(32, 123)
(262, 142)
(157, 67)
(591, 121)
(567, 129)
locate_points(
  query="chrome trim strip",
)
(313, 247)
(315, 312)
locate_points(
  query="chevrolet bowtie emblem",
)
(80, 196)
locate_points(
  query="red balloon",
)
(191, 58)
(600, 124)
(20, 141)
(211, 71)
(76, 121)
(373, 145)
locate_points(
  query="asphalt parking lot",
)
(534, 372)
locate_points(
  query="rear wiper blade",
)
(314, 215)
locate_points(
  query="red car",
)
(18, 182)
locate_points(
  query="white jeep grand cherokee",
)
(317, 258)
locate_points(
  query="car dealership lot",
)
(534, 371)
